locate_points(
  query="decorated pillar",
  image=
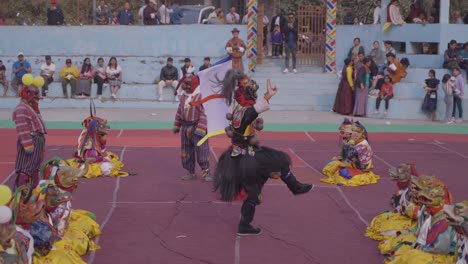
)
(252, 7)
(330, 47)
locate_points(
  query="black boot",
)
(294, 185)
(247, 214)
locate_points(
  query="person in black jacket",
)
(290, 39)
(168, 77)
(55, 14)
(280, 20)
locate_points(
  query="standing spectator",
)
(356, 49)
(150, 15)
(69, 74)
(164, 14)
(378, 56)
(177, 13)
(344, 95)
(86, 77)
(125, 16)
(463, 55)
(458, 95)
(55, 14)
(3, 79)
(220, 17)
(290, 34)
(389, 47)
(430, 99)
(377, 12)
(103, 14)
(168, 77)
(100, 77)
(386, 93)
(47, 72)
(362, 89)
(20, 68)
(451, 58)
(358, 62)
(415, 11)
(191, 122)
(115, 20)
(276, 42)
(348, 19)
(232, 17)
(141, 12)
(31, 137)
(236, 48)
(395, 69)
(206, 64)
(457, 17)
(114, 75)
(395, 15)
(356, 21)
(280, 20)
(448, 86)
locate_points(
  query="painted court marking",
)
(13, 172)
(111, 210)
(438, 144)
(309, 136)
(120, 133)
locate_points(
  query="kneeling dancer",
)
(246, 166)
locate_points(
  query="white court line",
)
(237, 250)
(437, 143)
(309, 136)
(339, 190)
(382, 160)
(13, 172)
(214, 154)
(111, 210)
(120, 133)
(7, 162)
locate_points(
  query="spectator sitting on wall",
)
(356, 49)
(232, 17)
(54, 14)
(20, 68)
(168, 77)
(377, 12)
(3, 79)
(348, 19)
(206, 64)
(457, 17)
(164, 14)
(125, 16)
(356, 21)
(393, 16)
(421, 19)
(395, 69)
(103, 14)
(177, 13)
(141, 12)
(150, 15)
(451, 56)
(47, 72)
(415, 12)
(463, 55)
(389, 47)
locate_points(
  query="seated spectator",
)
(389, 47)
(395, 15)
(451, 56)
(463, 55)
(55, 14)
(114, 75)
(187, 65)
(125, 16)
(214, 14)
(348, 19)
(457, 18)
(115, 20)
(206, 64)
(377, 12)
(378, 56)
(386, 93)
(415, 12)
(20, 68)
(232, 17)
(420, 19)
(395, 69)
(3, 79)
(47, 72)
(69, 74)
(86, 77)
(100, 77)
(150, 15)
(164, 14)
(356, 21)
(169, 77)
(356, 49)
(177, 13)
(103, 14)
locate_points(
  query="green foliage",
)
(292, 5)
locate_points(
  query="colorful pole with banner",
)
(252, 7)
(330, 52)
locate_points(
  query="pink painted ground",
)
(156, 218)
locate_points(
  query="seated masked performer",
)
(354, 165)
(245, 167)
(92, 144)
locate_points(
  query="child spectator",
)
(114, 75)
(3, 80)
(100, 77)
(458, 95)
(115, 19)
(86, 76)
(276, 42)
(430, 100)
(448, 86)
(386, 93)
(191, 122)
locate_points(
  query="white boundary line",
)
(13, 172)
(120, 133)
(437, 143)
(214, 154)
(382, 160)
(111, 210)
(6, 162)
(237, 250)
(309, 136)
